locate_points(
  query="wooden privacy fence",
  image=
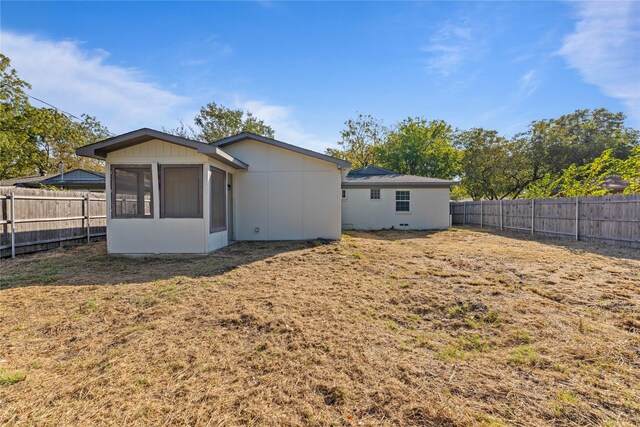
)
(35, 220)
(612, 219)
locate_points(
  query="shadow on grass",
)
(92, 265)
(605, 249)
(392, 235)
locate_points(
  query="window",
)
(374, 194)
(402, 201)
(344, 194)
(180, 191)
(131, 191)
(218, 200)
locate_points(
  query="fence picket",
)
(32, 220)
(612, 219)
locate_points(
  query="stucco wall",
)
(285, 195)
(429, 209)
(162, 235)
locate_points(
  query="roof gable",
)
(254, 137)
(99, 150)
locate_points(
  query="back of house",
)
(168, 194)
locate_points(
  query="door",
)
(231, 234)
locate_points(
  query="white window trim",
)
(379, 199)
(395, 199)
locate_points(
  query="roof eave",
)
(99, 150)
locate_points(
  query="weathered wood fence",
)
(611, 219)
(35, 220)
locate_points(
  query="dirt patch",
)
(390, 328)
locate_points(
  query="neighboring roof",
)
(374, 176)
(11, 182)
(100, 149)
(76, 178)
(252, 136)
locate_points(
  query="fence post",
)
(12, 218)
(500, 214)
(480, 213)
(88, 217)
(577, 216)
(464, 213)
(533, 210)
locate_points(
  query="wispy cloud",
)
(452, 45)
(82, 81)
(282, 119)
(529, 82)
(605, 49)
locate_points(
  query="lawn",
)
(451, 328)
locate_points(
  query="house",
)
(76, 179)
(167, 194)
(374, 198)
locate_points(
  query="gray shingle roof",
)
(374, 176)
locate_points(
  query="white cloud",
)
(282, 120)
(451, 46)
(529, 82)
(605, 49)
(78, 81)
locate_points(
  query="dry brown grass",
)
(450, 328)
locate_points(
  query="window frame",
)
(375, 199)
(213, 229)
(114, 190)
(343, 194)
(161, 168)
(408, 211)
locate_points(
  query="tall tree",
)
(215, 122)
(37, 140)
(420, 147)
(492, 167)
(577, 138)
(360, 141)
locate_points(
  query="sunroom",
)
(166, 194)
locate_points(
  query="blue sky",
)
(307, 67)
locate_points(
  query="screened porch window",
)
(131, 192)
(180, 191)
(218, 200)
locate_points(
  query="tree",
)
(420, 147)
(629, 169)
(491, 167)
(16, 154)
(36, 140)
(56, 137)
(360, 141)
(578, 138)
(216, 122)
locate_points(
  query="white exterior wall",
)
(284, 195)
(429, 209)
(161, 235)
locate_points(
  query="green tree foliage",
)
(420, 147)
(216, 122)
(577, 138)
(629, 169)
(491, 166)
(589, 179)
(360, 141)
(36, 140)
